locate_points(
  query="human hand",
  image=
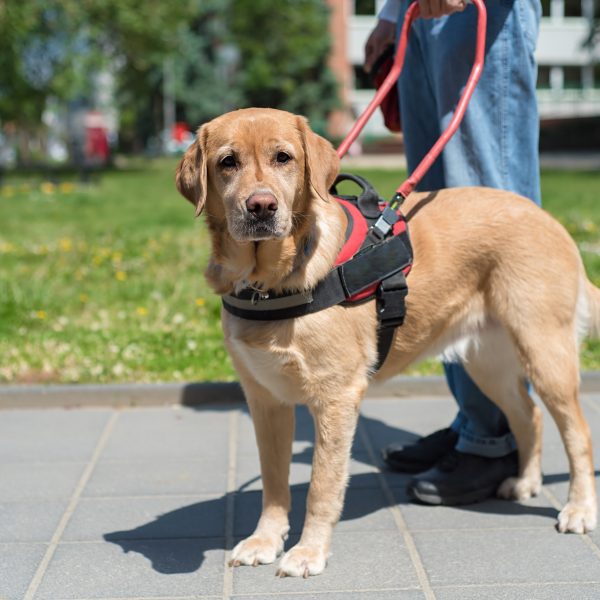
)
(433, 9)
(383, 35)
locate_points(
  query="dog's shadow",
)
(177, 541)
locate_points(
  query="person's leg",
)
(495, 146)
(421, 130)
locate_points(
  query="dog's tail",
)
(592, 294)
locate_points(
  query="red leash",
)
(411, 14)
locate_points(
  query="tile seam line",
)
(585, 537)
(71, 506)
(401, 525)
(253, 594)
(521, 584)
(230, 504)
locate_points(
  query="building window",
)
(546, 8)
(362, 80)
(543, 77)
(573, 79)
(573, 8)
(364, 7)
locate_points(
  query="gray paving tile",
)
(364, 510)
(360, 561)
(505, 556)
(493, 513)
(50, 435)
(35, 481)
(169, 433)
(540, 591)
(183, 476)
(397, 594)
(18, 564)
(30, 520)
(147, 518)
(144, 568)
(388, 421)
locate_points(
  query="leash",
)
(409, 184)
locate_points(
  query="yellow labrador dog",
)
(496, 282)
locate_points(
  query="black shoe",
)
(422, 454)
(461, 478)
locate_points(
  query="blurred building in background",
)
(568, 55)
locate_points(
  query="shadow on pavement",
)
(176, 542)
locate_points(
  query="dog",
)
(496, 282)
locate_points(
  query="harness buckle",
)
(386, 221)
(391, 294)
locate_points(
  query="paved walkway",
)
(147, 503)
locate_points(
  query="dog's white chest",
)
(275, 371)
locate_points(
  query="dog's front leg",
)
(274, 429)
(335, 423)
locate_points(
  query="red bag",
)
(390, 106)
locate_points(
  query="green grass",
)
(103, 282)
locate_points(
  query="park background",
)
(101, 260)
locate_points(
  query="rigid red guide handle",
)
(411, 14)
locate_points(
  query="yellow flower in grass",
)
(117, 257)
(66, 187)
(120, 276)
(40, 314)
(65, 244)
(48, 187)
(7, 248)
(142, 311)
(200, 302)
(7, 191)
(83, 298)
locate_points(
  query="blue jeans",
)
(495, 146)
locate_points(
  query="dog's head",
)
(256, 170)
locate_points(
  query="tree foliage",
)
(283, 55)
(223, 54)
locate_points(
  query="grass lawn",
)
(103, 282)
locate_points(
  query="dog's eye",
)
(283, 157)
(228, 162)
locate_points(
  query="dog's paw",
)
(302, 561)
(257, 550)
(577, 518)
(519, 488)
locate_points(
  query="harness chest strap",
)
(372, 268)
(375, 273)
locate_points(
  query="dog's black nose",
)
(262, 205)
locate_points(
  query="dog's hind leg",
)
(494, 366)
(274, 428)
(554, 371)
(335, 423)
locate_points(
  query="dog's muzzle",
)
(261, 218)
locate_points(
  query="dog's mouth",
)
(250, 229)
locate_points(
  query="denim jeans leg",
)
(495, 146)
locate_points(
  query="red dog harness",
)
(371, 265)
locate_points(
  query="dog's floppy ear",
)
(321, 160)
(191, 176)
